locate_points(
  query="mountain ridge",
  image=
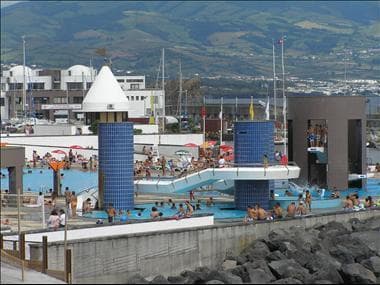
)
(211, 38)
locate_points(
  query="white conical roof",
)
(105, 94)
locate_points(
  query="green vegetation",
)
(211, 38)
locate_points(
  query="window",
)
(120, 80)
(89, 85)
(2, 102)
(56, 86)
(40, 100)
(135, 80)
(36, 86)
(15, 86)
(60, 100)
(74, 85)
(135, 86)
(69, 72)
(3, 86)
(10, 73)
(77, 100)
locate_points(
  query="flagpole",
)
(274, 85)
(221, 121)
(236, 107)
(204, 120)
(283, 91)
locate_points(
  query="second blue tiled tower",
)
(116, 164)
(252, 140)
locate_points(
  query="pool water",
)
(37, 179)
(220, 211)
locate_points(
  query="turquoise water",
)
(220, 211)
(76, 180)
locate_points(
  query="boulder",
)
(192, 277)
(331, 230)
(357, 248)
(225, 277)
(259, 276)
(229, 264)
(342, 254)
(330, 273)
(137, 279)
(259, 250)
(275, 255)
(366, 225)
(240, 271)
(288, 280)
(299, 255)
(214, 282)
(323, 282)
(289, 268)
(320, 260)
(176, 280)
(241, 259)
(370, 238)
(372, 264)
(159, 280)
(356, 273)
(278, 234)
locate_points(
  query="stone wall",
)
(112, 260)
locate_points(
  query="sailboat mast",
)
(163, 91)
(24, 76)
(283, 92)
(274, 85)
(180, 96)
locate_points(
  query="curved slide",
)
(212, 175)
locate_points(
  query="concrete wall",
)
(336, 110)
(112, 260)
(38, 142)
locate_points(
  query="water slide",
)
(212, 175)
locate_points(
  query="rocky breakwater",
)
(334, 253)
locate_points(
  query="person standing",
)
(265, 163)
(308, 200)
(111, 213)
(62, 218)
(163, 165)
(73, 202)
(53, 221)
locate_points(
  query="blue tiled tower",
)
(252, 140)
(107, 104)
(116, 164)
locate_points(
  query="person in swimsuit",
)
(73, 202)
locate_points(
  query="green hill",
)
(211, 38)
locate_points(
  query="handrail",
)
(227, 165)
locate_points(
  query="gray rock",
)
(176, 280)
(275, 255)
(320, 260)
(241, 259)
(192, 277)
(137, 279)
(323, 282)
(229, 264)
(300, 256)
(356, 273)
(370, 238)
(372, 264)
(214, 282)
(278, 234)
(160, 280)
(330, 273)
(288, 280)
(259, 250)
(289, 268)
(240, 271)
(366, 225)
(357, 248)
(258, 264)
(225, 277)
(342, 254)
(259, 276)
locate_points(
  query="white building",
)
(62, 90)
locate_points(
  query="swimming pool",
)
(37, 179)
(220, 211)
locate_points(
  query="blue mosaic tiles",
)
(252, 140)
(116, 163)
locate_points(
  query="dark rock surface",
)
(334, 253)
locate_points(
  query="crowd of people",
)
(317, 136)
(353, 202)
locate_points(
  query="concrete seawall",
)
(112, 259)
